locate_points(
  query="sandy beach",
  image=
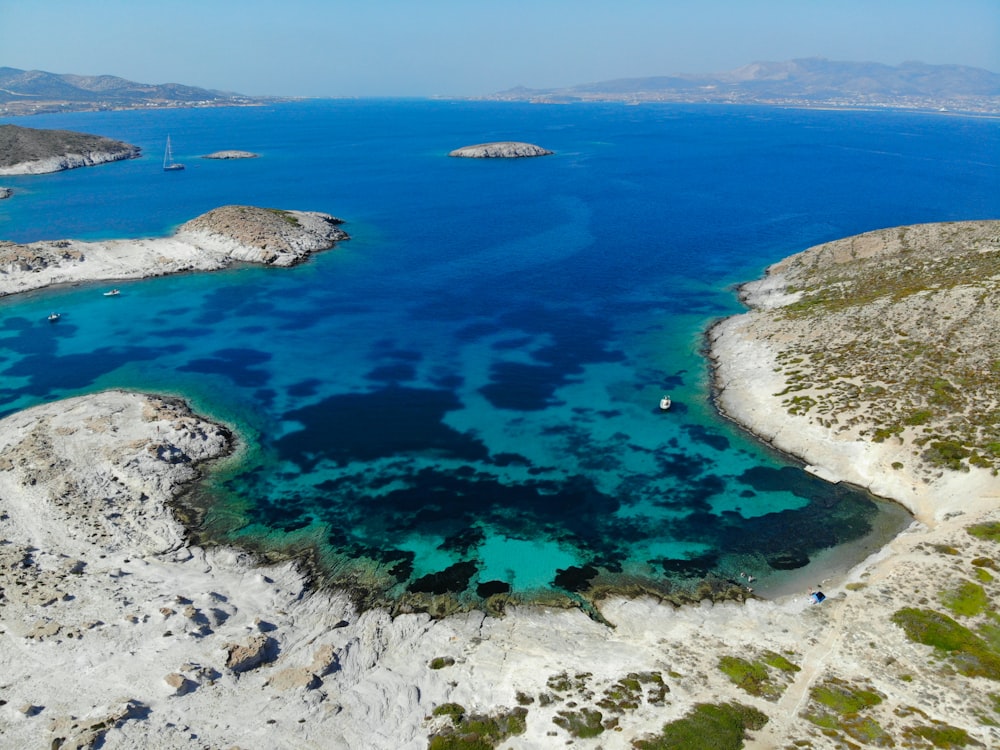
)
(118, 633)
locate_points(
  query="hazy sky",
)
(469, 47)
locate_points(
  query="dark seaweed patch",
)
(463, 541)
(791, 559)
(47, 374)
(700, 434)
(385, 423)
(392, 373)
(237, 364)
(304, 388)
(453, 579)
(491, 588)
(575, 578)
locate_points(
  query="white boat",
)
(665, 403)
(112, 293)
(169, 165)
(53, 317)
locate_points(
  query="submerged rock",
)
(500, 150)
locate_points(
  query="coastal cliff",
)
(500, 150)
(875, 358)
(35, 151)
(214, 240)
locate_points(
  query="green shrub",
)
(842, 698)
(987, 531)
(970, 654)
(947, 453)
(752, 677)
(968, 600)
(940, 735)
(583, 723)
(919, 417)
(708, 726)
(476, 732)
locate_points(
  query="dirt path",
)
(785, 713)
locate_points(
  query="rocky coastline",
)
(214, 240)
(500, 150)
(872, 358)
(118, 632)
(25, 151)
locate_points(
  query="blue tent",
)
(817, 596)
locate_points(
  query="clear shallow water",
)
(463, 398)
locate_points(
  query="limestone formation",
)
(5, 192)
(250, 654)
(500, 150)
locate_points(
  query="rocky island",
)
(5, 192)
(500, 150)
(219, 238)
(36, 151)
(231, 154)
(118, 632)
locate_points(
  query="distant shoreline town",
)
(811, 83)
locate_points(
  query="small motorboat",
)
(53, 317)
(665, 403)
(112, 293)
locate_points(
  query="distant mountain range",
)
(813, 82)
(33, 91)
(806, 82)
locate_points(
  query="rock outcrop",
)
(217, 239)
(264, 235)
(231, 154)
(5, 192)
(35, 151)
(500, 150)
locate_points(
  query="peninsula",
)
(214, 240)
(117, 631)
(500, 150)
(36, 151)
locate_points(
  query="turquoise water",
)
(463, 398)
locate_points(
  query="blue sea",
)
(462, 400)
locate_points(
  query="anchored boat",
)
(169, 165)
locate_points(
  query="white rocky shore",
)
(217, 239)
(117, 633)
(68, 161)
(39, 151)
(500, 150)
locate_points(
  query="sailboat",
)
(169, 165)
